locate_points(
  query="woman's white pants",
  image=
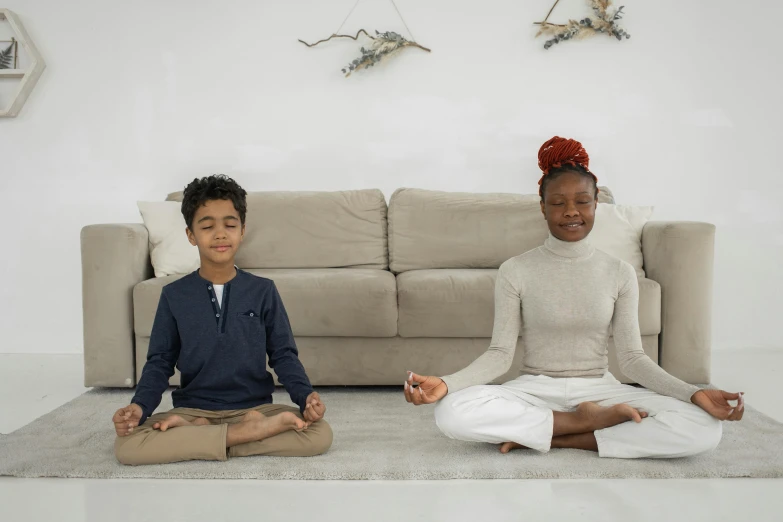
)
(521, 411)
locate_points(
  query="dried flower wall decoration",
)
(383, 44)
(604, 20)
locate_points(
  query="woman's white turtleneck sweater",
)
(564, 296)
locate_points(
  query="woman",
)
(565, 296)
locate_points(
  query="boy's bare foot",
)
(252, 415)
(598, 418)
(174, 421)
(263, 427)
(271, 426)
(508, 446)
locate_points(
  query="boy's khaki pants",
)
(149, 446)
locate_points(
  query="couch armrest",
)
(679, 256)
(115, 258)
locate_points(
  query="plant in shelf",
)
(8, 56)
(32, 69)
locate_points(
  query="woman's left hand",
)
(716, 403)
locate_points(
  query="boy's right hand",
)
(127, 418)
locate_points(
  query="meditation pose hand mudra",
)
(563, 297)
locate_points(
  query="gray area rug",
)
(377, 435)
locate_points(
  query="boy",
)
(217, 325)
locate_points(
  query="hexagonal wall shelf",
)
(29, 75)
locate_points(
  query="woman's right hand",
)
(430, 389)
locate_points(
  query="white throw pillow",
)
(170, 251)
(618, 232)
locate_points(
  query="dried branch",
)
(601, 22)
(414, 44)
(339, 36)
(384, 44)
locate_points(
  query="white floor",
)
(32, 385)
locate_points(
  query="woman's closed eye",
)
(561, 203)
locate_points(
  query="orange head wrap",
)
(557, 153)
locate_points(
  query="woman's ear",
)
(543, 208)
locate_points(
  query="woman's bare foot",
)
(598, 418)
(263, 427)
(508, 446)
(575, 429)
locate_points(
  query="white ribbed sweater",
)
(564, 296)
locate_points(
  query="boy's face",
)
(217, 232)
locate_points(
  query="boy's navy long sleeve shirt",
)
(221, 351)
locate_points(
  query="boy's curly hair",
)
(217, 186)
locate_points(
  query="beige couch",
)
(373, 291)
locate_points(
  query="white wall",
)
(140, 97)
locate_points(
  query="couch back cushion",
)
(314, 230)
(433, 229)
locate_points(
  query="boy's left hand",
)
(314, 409)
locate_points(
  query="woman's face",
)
(569, 206)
